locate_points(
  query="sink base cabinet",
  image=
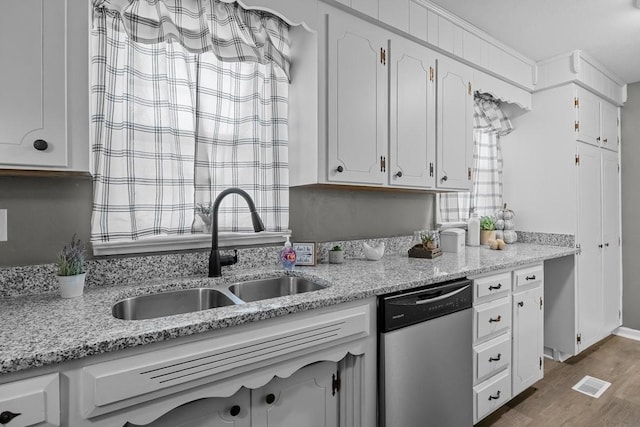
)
(330, 382)
(306, 398)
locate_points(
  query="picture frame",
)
(305, 253)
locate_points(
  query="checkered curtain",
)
(490, 123)
(173, 128)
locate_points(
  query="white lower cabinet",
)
(306, 398)
(31, 402)
(508, 336)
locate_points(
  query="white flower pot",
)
(71, 286)
(336, 257)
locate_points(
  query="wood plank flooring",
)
(551, 401)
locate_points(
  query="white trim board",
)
(625, 332)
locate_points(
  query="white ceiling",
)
(607, 30)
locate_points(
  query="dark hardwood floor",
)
(551, 401)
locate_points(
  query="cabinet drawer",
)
(492, 356)
(37, 400)
(528, 276)
(492, 286)
(491, 394)
(492, 318)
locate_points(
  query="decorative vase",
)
(336, 257)
(486, 235)
(71, 286)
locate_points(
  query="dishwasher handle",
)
(441, 297)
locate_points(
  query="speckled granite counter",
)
(44, 329)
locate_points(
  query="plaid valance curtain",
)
(173, 128)
(231, 32)
(490, 123)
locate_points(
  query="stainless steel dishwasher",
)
(425, 357)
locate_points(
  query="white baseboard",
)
(633, 334)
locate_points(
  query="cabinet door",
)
(609, 126)
(587, 117)
(304, 399)
(357, 101)
(528, 330)
(611, 277)
(33, 88)
(589, 236)
(454, 125)
(231, 411)
(412, 115)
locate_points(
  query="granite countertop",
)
(45, 329)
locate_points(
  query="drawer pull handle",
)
(496, 397)
(497, 319)
(532, 277)
(521, 304)
(7, 416)
(491, 287)
(495, 359)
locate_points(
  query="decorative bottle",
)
(288, 256)
(473, 230)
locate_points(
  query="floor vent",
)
(591, 386)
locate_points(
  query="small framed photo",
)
(305, 253)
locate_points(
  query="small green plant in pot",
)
(336, 255)
(70, 268)
(430, 239)
(487, 229)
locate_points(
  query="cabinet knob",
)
(600, 245)
(270, 398)
(521, 304)
(605, 140)
(607, 245)
(339, 169)
(7, 416)
(443, 179)
(399, 174)
(235, 410)
(40, 144)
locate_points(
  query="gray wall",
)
(630, 155)
(321, 214)
(42, 214)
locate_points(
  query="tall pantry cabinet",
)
(561, 175)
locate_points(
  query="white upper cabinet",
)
(454, 125)
(596, 120)
(45, 119)
(412, 146)
(357, 101)
(609, 125)
(33, 129)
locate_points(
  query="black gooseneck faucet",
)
(216, 261)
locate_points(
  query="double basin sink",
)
(196, 299)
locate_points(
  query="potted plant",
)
(487, 229)
(336, 255)
(70, 269)
(426, 245)
(204, 212)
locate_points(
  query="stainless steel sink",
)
(169, 303)
(255, 290)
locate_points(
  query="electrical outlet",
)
(3, 225)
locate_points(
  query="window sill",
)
(188, 242)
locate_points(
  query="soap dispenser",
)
(288, 256)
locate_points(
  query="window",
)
(188, 99)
